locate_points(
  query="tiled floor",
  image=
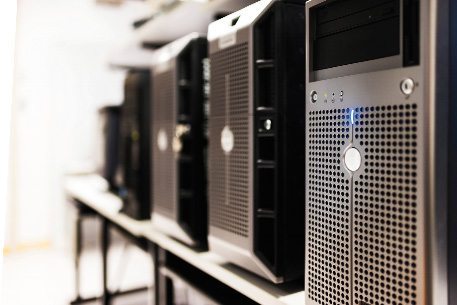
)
(46, 277)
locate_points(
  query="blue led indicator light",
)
(352, 116)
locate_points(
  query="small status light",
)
(352, 116)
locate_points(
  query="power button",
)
(313, 96)
(407, 86)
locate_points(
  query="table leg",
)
(105, 247)
(154, 249)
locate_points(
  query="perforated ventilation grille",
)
(164, 165)
(163, 96)
(328, 225)
(230, 66)
(385, 206)
(229, 174)
(362, 231)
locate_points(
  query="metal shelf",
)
(92, 191)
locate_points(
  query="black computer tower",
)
(134, 178)
(256, 124)
(109, 120)
(380, 148)
(179, 140)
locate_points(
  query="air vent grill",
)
(385, 206)
(362, 230)
(164, 170)
(229, 173)
(230, 66)
(164, 96)
(328, 210)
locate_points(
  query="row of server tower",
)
(304, 140)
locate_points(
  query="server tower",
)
(256, 156)
(109, 119)
(380, 153)
(179, 140)
(134, 170)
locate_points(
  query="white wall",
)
(61, 78)
(7, 32)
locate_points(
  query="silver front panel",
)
(371, 235)
(163, 125)
(364, 229)
(229, 172)
(231, 204)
